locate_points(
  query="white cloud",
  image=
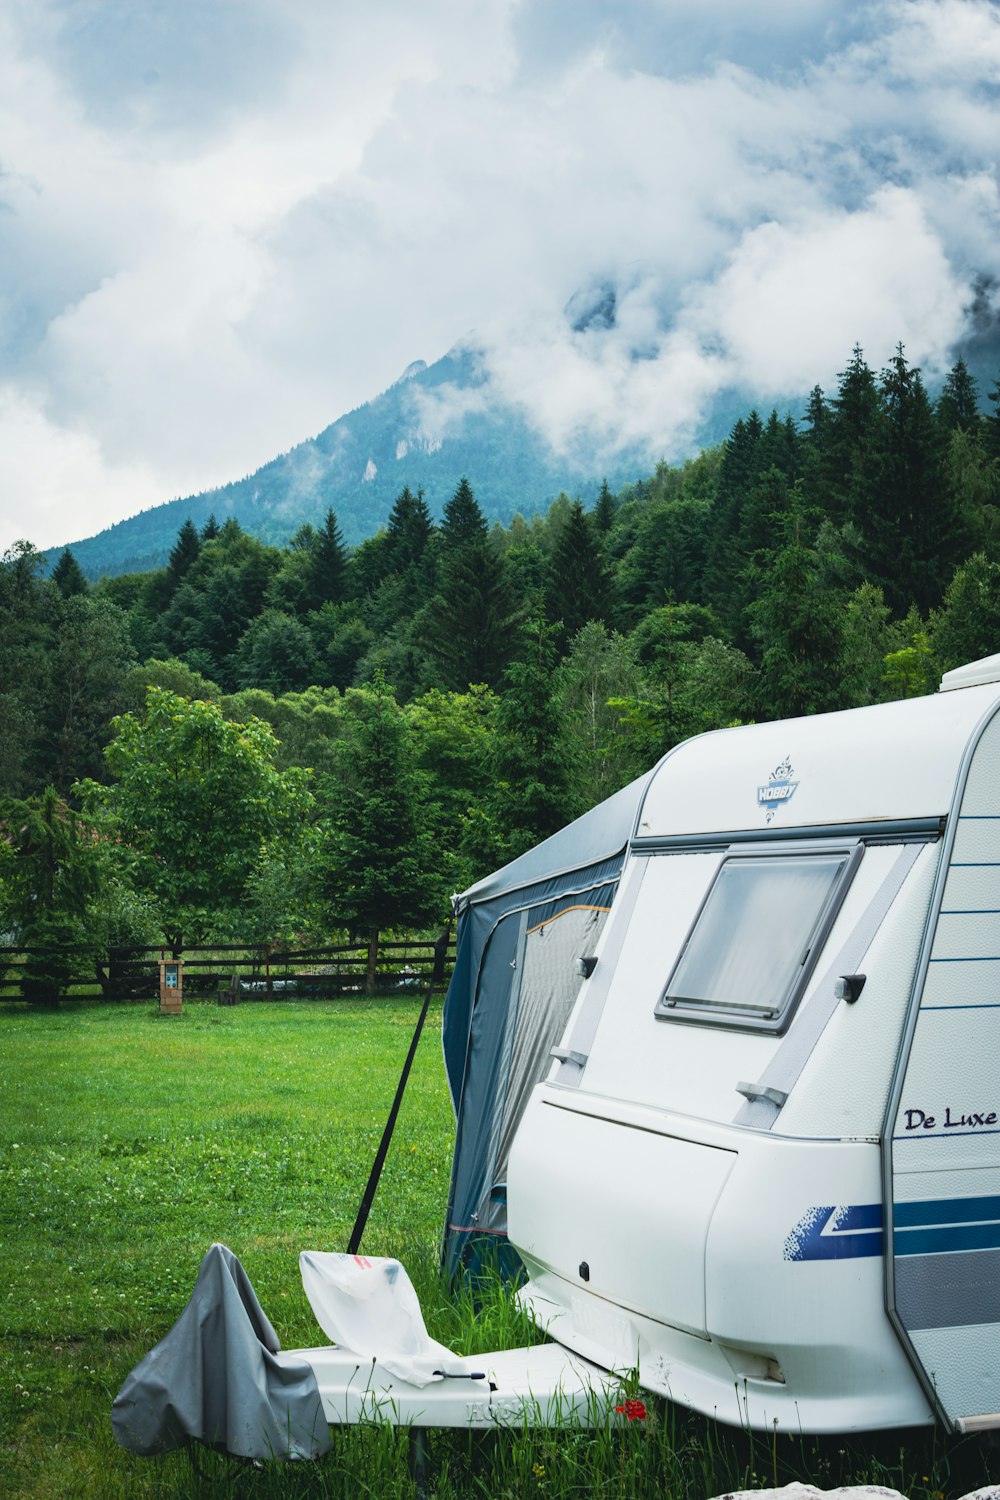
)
(795, 298)
(74, 487)
(226, 223)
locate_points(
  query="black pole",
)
(437, 974)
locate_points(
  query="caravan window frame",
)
(753, 1016)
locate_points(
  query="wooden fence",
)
(262, 971)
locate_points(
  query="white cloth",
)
(367, 1304)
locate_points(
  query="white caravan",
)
(763, 1167)
(765, 1164)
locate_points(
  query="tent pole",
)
(437, 975)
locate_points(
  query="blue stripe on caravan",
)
(836, 1233)
(945, 1211)
(969, 1005)
(974, 864)
(933, 1227)
(978, 817)
(948, 1238)
(939, 1135)
(986, 959)
(969, 911)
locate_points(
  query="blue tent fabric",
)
(576, 868)
(601, 835)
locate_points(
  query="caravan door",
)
(942, 1139)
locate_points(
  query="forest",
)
(260, 743)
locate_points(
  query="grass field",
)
(129, 1142)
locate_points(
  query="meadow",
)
(129, 1142)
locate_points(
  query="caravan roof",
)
(885, 764)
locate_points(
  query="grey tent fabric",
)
(218, 1377)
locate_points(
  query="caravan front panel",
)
(943, 1177)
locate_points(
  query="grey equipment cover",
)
(218, 1376)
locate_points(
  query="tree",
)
(991, 422)
(797, 627)
(967, 626)
(29, 612)
(408, 529)
(839, 451)
(195, 800)
(604, 510)
(599, 665)
(578, 586)
(50, 886)
(68, 576)
(865, 642)
(275, 652)
(463, 521)
(467, 627)
(737, 474)
(328, 558)
(176, 676)
(377, 861)
(91, 660)
(184, 553)
(958, 403)
(453, 737)
(911, 529)
(531, 794)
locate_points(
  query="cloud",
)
(223, 224)
(793, 298)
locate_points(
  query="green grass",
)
(129, 1142)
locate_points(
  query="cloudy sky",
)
(223, 223)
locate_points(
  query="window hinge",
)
(566, 1054)
(761, 1091)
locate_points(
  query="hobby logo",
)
(779, 788)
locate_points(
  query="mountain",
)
(435, 424)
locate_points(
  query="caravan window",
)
(748, 957)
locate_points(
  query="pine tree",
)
(328, 564)
(184, 552)
(910, 527)
(604, 510)
(797, 626)
(967, 626)
(467, 626)
(528, 760)
(991, 422)
(68, 576)
(463, 521)
(408, 529)
(578, 589)
(778, 447)
(958, 403)
(210, 530)
(737, 474)
(847, 469)
(378, 861)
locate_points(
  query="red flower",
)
(634, 1411)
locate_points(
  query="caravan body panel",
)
(943, 1166)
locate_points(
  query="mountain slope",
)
(435, 424)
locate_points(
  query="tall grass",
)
(128, 1142)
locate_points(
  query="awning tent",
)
(520, 932)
